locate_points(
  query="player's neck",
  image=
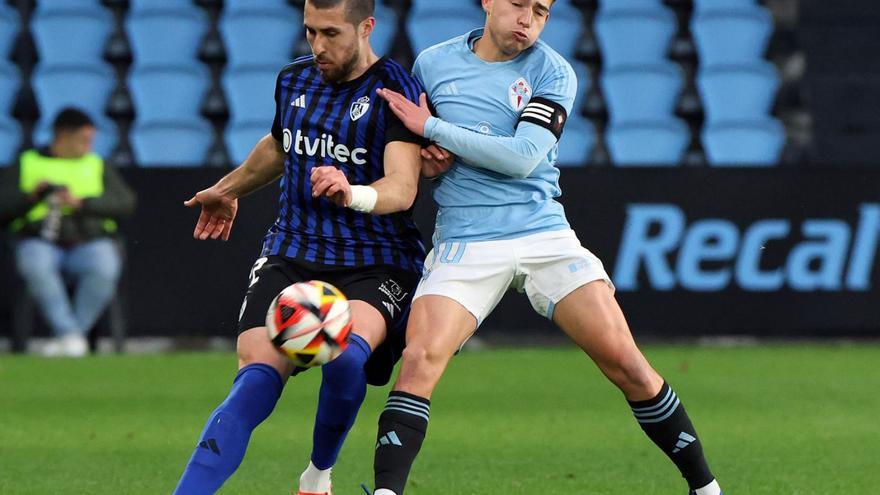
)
(488, 51)
(366, 61)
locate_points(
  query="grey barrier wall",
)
(692, 252)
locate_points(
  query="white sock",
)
(314, 480)
(383, 491)
(710, 489)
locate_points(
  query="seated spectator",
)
(61, 202)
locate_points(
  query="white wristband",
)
(363, 198)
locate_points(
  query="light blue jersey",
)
(504, 179)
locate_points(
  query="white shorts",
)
(546, 266)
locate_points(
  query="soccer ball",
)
(309, 322)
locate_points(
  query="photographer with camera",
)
(60, 203)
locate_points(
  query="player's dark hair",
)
(71, 119)
(355, 10)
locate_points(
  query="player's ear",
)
(487, 6)
(366, 27)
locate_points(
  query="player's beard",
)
(335, 75)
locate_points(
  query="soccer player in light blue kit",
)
(502, 98)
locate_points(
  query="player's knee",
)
(250, 353)
(423, 356)
(634, 376)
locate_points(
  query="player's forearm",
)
(264, 165)
(512, 156)
(395, 193)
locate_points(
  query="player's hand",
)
(331, 182)
(218, 213)
(413, 116)
(435, 161)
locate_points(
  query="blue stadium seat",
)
(83, 87)
(9, 27)
(738, 92)
(635, 36)
(10, 140)
(436, 22)
(566, 30)
(162, 93)
(233, 5)
(241, 138)
(385, 30)
(250, 93)
(611, 5)
(446, 4)
(584, 82)
(72, 35)
(164, 36)
(745, 143)
(261, 36)
(576, 143)
(140, 5)
(53, 5)
(643, 92)
(650, 143)
(703, 5)
(174, 144)
(731, 36)
(10, 82)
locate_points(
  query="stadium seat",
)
(731, 36)
(446, 4)
(738, 92)
(435, 22)
(9, 27)
(250, 93)
(576, 143)
(10, 140)
(162, 93)
(703, 5)
(75, 35)
(566, 32)
(233, 5)
(648, 143)
(174, 144)
(53, 5)
(611, 5)
(164, 36)
(385, 31)
(643, 92)
(635, 36)
(584, 82)
(10, 81)
(261, 36)
(240, 138)
(745, 143)
(83, 87)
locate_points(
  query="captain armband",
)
(545, 113)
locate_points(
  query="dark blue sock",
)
(342, 392)
(223, 442)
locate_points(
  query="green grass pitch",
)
(775, 420)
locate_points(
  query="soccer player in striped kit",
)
(349, 172)
(502, 98)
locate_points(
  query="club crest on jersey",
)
(519, 94)
(359, 108)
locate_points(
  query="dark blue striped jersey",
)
(345, 125)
